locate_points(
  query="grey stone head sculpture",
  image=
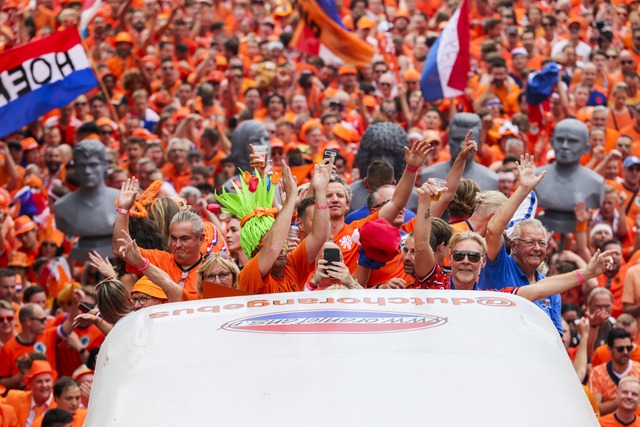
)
(248, 132)
(383, 141)
(458, 129)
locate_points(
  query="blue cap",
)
(630, 161)
(540, 84)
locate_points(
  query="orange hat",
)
(411, 75)
(18, 259)
(144, 134)
(11, 4)
(92, 136)
(402, 13)
(579, 21)
(283, 10)
(150, 59)
(147, 287)
(33, 181)
(40, 367)
(306, 127)
(301, 66)
(106, 121)
(29, 144)
(55, 236)
(23, 224)
(123, 37)
(365, 22)
(276, 143)
(369, 101)
(347, 69)
(159, 100)
(66, 294)
(80, 372)
(215, 76)
(341, 131)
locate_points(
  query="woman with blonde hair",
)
(220, 269)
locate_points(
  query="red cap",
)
(380, 240)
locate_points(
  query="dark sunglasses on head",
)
(622, 348)
(460, 255)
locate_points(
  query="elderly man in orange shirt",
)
(33, 403)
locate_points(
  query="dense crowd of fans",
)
(192, 90)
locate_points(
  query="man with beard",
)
(499, 83)
(604, 378)
(123, 60)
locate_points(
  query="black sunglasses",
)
(460, 255)
(622, 348)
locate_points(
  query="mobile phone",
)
(328, 153)
(332, 255)
(85, 307)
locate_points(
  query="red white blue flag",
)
(321, 32)
(446, 69)
(89, 9)
(40, 76)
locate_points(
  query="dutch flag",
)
(446, 69)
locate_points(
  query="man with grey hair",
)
(186, 236)
(528, 243)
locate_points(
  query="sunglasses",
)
(626, 61)
(106, 132)
(6, 319)
(472, 256)
(80, 103)
(622, 348)
(621, 145)
(49, 244)
(41, 319)
(381, 204)
(612, 56)
(634, 169)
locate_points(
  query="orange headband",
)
(259, 212)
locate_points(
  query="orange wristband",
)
(581, 226)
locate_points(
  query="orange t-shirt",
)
(68, 358)
(297, 269)
(78, 418)
(601, 383)
(250, 280)
(348, 247)
(611, 421)
(175, 178)
(13, 350)
(165, 261)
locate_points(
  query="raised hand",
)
(322, 174)
(417, 154)
(427, 191)
(289, 182)
(128, 193)
(129, 250)
(580, 210)
(527, 172)
(102, 265)
(600, 262)
(469, 147)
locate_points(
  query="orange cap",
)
(80, 372)
(144, 134)
(215, 76)
(39, 367)
(29, 144)
(123, 37)
(402, 13)
(18, 259)
(181, 114)
(369, 101)
(579, 21)
(306, 127)
(411, 75)
(147, 287)
(347, 69)
(365, 22)
(55, 236)
(276, 143)
(23, 224)
(106, 121)
(341, 131)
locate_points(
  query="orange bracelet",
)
(581, 227)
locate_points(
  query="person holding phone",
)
(331, 271)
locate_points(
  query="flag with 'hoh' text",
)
(446, 70)
(40, 76)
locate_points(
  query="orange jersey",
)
(13, 350)
(601, 383)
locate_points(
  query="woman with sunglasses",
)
(468, 257)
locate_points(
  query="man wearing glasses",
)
(34, 337)
(604, 379)
(528, 246)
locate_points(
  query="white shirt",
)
(32, 412)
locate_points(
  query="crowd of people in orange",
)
(248, 166)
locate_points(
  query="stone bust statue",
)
(460, 125)
(566, 181)
(89, 212)
(248, 132)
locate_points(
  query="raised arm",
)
(598, 264)
(498, 223)
(321, 225)
(425, 258)
(130, 253)
(415, 158)
(468, 150)
(274, 242)
(126, 199)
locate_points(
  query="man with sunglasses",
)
(7, 322)
(34, 336)
(604, 379)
